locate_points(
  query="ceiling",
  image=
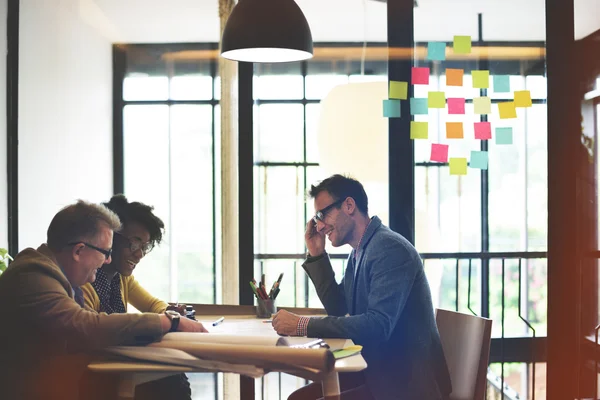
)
(158, 21)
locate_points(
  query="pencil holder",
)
(265, 308)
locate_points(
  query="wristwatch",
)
(174, 317)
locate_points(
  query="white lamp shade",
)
(352, 132)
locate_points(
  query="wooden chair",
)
(466, 342)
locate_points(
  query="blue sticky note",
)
(504, 135)
(418, 106)
(436, 51)
(501, 83)
(479, 159)
(391, 108)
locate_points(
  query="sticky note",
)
(482, 105)
(483, 130)
(419, 130)
(501, 83)
(436, 100)
(439, 152)
(479, 159)
(481, 79)
(462, 44)
(458, 166)
(456, 105)
(522, 98)
(420, 75)
(504, 135)
(391, 108)
(418, 106)
(507, 110)
(436, 51)
(398, 90)
(454, 77)
(454, 130)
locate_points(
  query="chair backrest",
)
(466, 342)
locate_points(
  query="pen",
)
(217, 322)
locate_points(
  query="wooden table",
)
(135, 373)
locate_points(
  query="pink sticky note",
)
(456, 105)
(439, 152)
(483, 130)
(420, 75)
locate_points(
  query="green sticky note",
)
(504, 136)
(458, 166)
(418, 106)
(398, 90)
(419, 130)
(462, 44)
(391, 108)
(346, 351)
(501, 83)
(482, 105)
(479, 159)
(481, 79)
(436, 51)
(436, 100)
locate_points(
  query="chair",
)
(466, 343)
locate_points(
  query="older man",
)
(45, 327)
(382, 303)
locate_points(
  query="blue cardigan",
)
(384, 304)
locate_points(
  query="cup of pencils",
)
(265, 301)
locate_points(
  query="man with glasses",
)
(383, 301)
(46, 329)
(115, 286)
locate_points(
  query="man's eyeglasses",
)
(107, 253)
(135, 245)
(320, 215)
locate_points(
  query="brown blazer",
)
(45, 334)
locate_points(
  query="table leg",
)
(128, 382)
(331, 386)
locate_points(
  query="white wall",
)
(3, 184)
(65, 113)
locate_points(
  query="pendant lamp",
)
(266, 31)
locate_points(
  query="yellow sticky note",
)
(454, 77)
(458, 166)
(436, 100)
(522, 98)
(481, 79)
(419, 130)
(462, 44)
(454, 130)
(398, 90)
(507, 110)
(482, 105)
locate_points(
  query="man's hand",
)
(286, 323)
(188, 325)
(315, 240)
(180, 308)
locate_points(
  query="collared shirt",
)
(109, 292)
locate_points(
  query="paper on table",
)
(310, 363)
(222, 338)
(181, 358)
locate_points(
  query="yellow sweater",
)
(131, 292)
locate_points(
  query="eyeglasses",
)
(135, 245)
(107, 253)
(320, 215)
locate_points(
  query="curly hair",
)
(137, 212)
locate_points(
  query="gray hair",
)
(79, 221)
